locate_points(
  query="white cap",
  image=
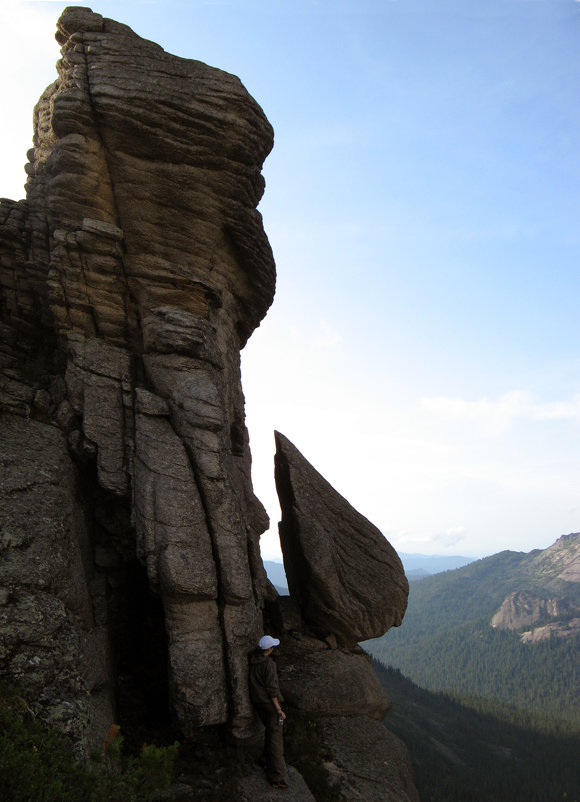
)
(267, 641)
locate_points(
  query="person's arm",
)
(276, 703)
(273, 688)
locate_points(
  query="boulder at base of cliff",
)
(368, 762)
(319, 680)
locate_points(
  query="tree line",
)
(469, 749)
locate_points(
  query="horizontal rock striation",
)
(141, 254)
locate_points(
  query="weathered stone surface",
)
(522, 609)
(165, 155)
(333, 682)
(528, 614)
(172, 535)
(140, 247)
(238, 620)
(99, 388)
(548, 631)
(196, 664)
(53, 642)
(345, 575)
(256, 788)
(368, 763)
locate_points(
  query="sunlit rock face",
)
(140, 248)
(346, 577)
(523, 609)
(537, 619)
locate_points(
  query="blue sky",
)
(422, 203)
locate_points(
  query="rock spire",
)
(131, 582)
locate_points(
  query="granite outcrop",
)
(547, 605)
(140, 249)
(347, 578)
(537, 618)
(131, 277)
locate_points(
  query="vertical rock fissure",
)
(221, 602)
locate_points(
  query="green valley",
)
(505, 628)
(475, 750)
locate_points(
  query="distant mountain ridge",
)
(432, 563)
(505, 627)
(277, 576)
(417, 566)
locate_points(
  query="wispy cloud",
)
(422, 541)
(328, 338)
(28, 55)
(495, 416)
(451, 537)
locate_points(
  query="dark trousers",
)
(273, 743)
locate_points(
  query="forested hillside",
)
(479, 751)
(447, 642)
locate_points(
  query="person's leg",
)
(274, 746)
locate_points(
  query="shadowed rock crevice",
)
(132, 613)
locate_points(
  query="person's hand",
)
(282, 715)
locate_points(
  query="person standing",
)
(266, 698)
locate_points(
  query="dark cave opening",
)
(139, 645)
(135, 622)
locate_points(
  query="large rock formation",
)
(546, 605)
(346, 577)
(537, 618)
(523, 609)
(355, 744)
(131, 277)
(141, 249)
(321, 680)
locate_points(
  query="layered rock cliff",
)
(130, 279)
(548, 605)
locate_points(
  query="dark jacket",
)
(263, 679)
